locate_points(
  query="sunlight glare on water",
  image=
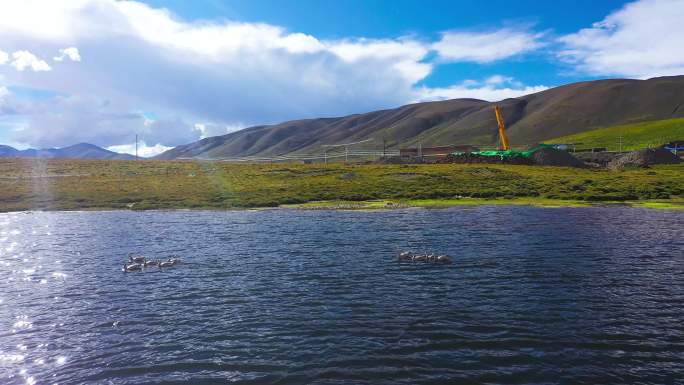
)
(583, 295)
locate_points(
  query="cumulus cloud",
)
(640, 40)
(228, 73)
(499, 79)
(144, 150)
(225, 75)
(170, 132)
(25, 59)
(492, 89)
(70, 53)
(65, 120)
(486, 47)
(208, 129)
(3, 57)
(404, 55)
(3, 92)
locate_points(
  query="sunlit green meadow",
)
(41, 184)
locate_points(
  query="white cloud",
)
(71, 53)
(208, 129)
(65, 120)
(486, 47)
(144, 150)
(169, 132)
(25, 59)
(640, 40)
(3, 92)
(227, 74)
(492, 89)
(3, 57)
(405, 55)
(496, 79)
(157, 26)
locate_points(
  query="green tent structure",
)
(508, 154)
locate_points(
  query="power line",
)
(326, 155)
(346, 147)
(347, 144)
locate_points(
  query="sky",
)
(175, 71)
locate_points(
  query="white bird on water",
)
(138, 262)
(152, 262)
(405, 256)
(170, 261)
(136, 258)
(166, 264)
(414, 257)
(132, 267)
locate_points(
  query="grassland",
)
(30, 184)
(634, 136)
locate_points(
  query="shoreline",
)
(386, 204)
(656, 204)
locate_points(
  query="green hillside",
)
(634, 136)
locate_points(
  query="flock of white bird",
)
(138, 262)
(408, 256)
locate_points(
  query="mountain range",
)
(77, 151)
(530, 119)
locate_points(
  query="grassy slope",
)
(85, 184)
(634, 136)
(556, 112)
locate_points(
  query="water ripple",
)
(536, 296)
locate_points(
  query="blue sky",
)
(427, 19)
(172, 71)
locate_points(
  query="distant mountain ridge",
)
(530, 119)
(77, 151)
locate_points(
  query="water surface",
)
(535, 296)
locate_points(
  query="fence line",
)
(323, 156)
(302, 157)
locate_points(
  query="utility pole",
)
(346, 154)
(620, 141)
(384, 147)
(420, 151)
(136, 146)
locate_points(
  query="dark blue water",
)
(535, 296)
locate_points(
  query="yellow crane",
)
(502, 129)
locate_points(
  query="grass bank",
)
(634, 136)
(41, 184)
(667, 204)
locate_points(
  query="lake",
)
(534, 296)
